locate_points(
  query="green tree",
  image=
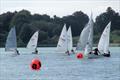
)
(103, 19)
(77, 21)
(19, 19)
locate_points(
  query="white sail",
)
(89, 44)
(87, 49)
(62, 43)
(103, 44)
(83, 39)
(69, 40)
(84, 35)
(32, 44)
(11, 44)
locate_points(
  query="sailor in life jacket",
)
(36, 51)
(16, 51)
(95, 51)
(72, 51)
(67, 52)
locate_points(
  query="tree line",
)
(50, 27)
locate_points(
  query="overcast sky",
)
(59, 7)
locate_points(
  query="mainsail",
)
(85, 34)
(69, 40)
(62, 43)
(11, 42)
(89, 45)
(103, 45)
(32, 44)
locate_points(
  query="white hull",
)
(79, 51)
(89, 56)
(92, 56)
(34, 53)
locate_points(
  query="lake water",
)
(58, 66)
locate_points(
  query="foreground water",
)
(56, 66)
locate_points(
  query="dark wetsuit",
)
(36, 51)
(96, 51)
(107, 55)
(17, 52)
(90, 52)
(72, 51)
(67, 52)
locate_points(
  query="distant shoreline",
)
(54, 45)
(111, 45)
(95, 45)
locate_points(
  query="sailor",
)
(36, 51)
(72, 51)
(67, 52)
(17, 52)
(90, 52)
(107, 54)
(96, 51)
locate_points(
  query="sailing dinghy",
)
(32, 44)
(86, 37)
(69, 41)
(88, 53)
(65, 43)
(11, 42)
(89, 45)
(103, 45)
(62, 42)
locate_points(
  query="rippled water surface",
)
(58, 66)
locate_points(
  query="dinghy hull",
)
(93, 56)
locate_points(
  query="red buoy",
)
(79, 55)
(36, 64)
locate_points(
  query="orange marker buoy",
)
(36, 64)
(79, 55)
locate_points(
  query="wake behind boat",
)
(11, 42)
